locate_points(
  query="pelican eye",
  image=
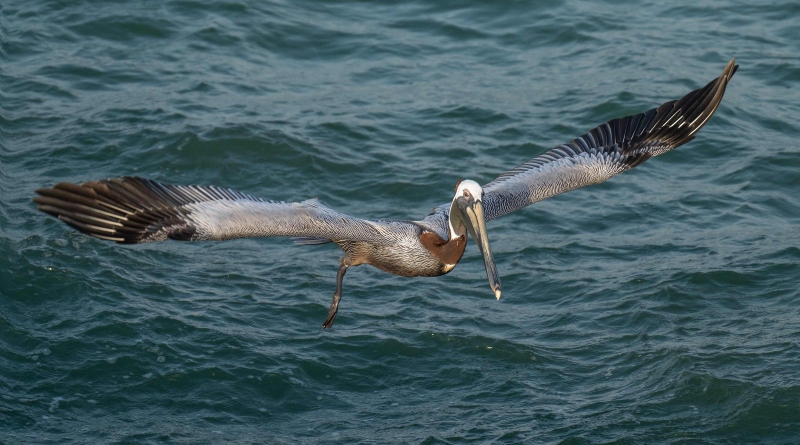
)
(467, 193)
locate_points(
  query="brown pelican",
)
(138, 210)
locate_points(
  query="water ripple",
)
(659, 307)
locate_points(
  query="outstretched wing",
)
(137, 210)
(609, 149)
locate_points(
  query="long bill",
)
(476, 226)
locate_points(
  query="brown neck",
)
(447, 251)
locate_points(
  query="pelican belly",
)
(406, 259)
(401, 251)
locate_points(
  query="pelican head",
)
(466, 215)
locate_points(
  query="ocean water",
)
(661, 307)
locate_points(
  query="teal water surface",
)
(660, 307)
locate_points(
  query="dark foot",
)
(332, 311)
(336, 295)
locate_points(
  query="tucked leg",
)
(336, 296)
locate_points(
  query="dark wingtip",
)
(735, 66)
(730, 69)
(124, 210)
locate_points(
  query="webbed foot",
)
(332, 311)
(336, 296)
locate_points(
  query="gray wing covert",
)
(137, 210)
(605, 151)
